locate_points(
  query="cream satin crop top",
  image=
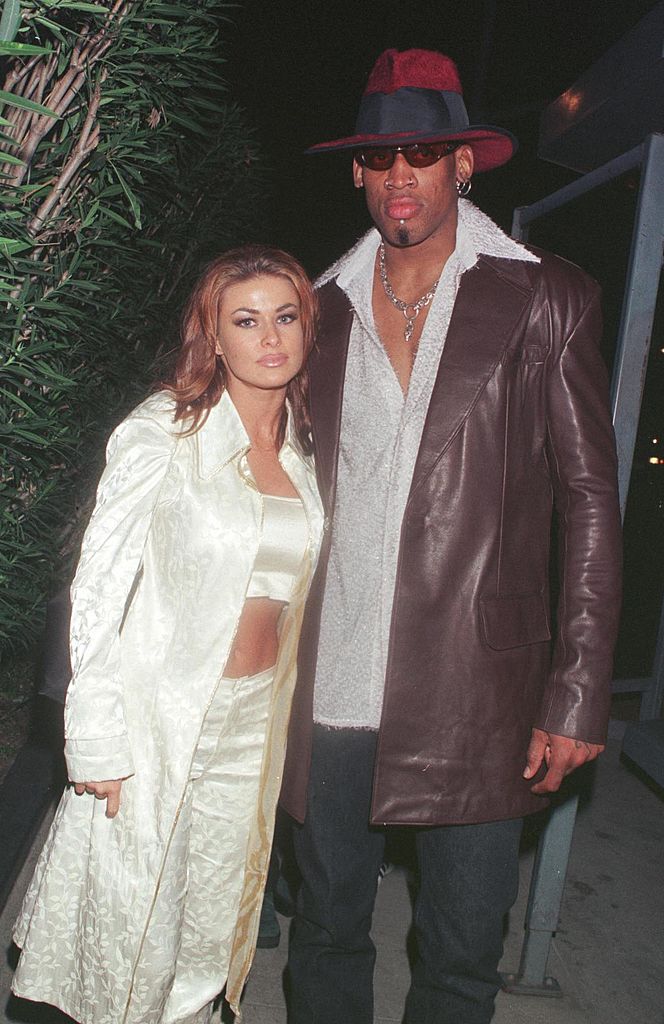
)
(283, 543)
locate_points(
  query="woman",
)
(187, 604)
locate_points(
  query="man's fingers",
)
(535, 754)
(551, 781)
(79, 788)
(563, 755)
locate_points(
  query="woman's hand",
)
(108, 791)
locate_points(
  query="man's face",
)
(411, 205)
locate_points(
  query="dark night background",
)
(299, 69)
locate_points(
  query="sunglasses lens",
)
(419, 154)
(423, 155)
(378, 159)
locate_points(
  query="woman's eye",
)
(246, 321)
(287, 318)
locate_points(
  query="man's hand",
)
(108, 791)
(561, 756)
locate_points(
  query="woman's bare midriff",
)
(256, 641)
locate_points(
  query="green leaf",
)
(190, 125)
(9, 246)
(75, 5)
(52, 26)
(112, 215)
(11, 19)
(131, 196)
(9, 158)
(27, 435)
(20, 101)
(8, 49)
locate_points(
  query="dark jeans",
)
(468, 882)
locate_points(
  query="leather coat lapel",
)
(327, 368)
(483, 322)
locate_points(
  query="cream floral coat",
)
(161, 582)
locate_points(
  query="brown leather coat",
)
(518, 423)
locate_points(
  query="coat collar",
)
(223, 437)
(492, 299)
(493, 295)
(327, 369)
(477, 234)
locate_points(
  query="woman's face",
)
(260, 334)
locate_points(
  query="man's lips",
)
(402, 209)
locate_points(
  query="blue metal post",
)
(524, 215)
(638, 313)
(547, 884)
(651, 702)
(643, 277)
(546, 895)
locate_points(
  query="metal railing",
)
(633, 346)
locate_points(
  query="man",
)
(457, 392)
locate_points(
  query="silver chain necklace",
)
(411, 310)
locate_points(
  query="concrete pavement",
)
(608, 953)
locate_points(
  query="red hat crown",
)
(414, 69)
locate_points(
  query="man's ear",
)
(464, 163)
(358, 174)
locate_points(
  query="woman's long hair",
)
(199, 378)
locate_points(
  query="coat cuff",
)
(582, 716)
(98, 760)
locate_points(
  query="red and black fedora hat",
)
(415, 96)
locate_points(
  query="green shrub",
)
(123, 165)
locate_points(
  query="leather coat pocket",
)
(514, 620)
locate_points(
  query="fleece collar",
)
(477, 235)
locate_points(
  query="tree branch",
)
(31, 128)
(87, 142)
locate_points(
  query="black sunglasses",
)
(417, 154)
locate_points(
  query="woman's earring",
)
(463, 187)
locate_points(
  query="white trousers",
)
(219, 807)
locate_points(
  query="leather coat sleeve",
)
(96, 741)
(582, 461)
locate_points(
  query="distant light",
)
(653, 460)
(655, 440)
(572, 100)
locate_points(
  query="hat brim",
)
(491, 146)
